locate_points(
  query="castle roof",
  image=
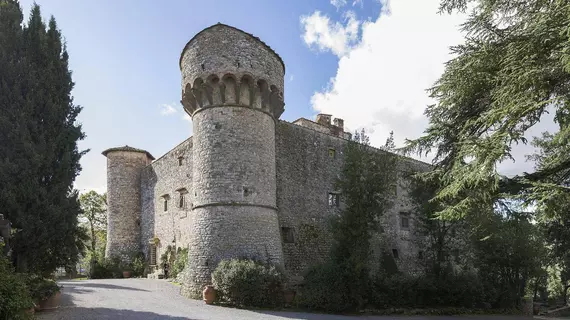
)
(219, 24)
(129, 149)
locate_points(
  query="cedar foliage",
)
(39, 158)
(512, 69)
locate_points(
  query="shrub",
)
(324, 289)
(138, 265)
(180, 262)
(107, 269)
(40, 288)
(404, 291)
(14, 294)
(248, 283)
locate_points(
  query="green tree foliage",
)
(509, 253)
(94, 215)
(438, 237)
(39, 159)
(366, 181)
(248, 283)
(513, 67)
(14, 294)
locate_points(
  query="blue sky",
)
(367, 61)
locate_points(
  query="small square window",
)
(332, 153)
(180, 161)
(287, 235)
(334, 200)
(395, 254)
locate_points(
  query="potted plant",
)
(126, 269)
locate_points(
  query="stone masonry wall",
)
(124, 202)
(234, 212)
(308, 163)
(166, 177)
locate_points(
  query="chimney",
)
(339, 123)
(324, 119)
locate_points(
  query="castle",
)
(246, 184)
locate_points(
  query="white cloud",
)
(167, 109)
(325, 35)
(291, 77)
(338, 3)
(382, 76)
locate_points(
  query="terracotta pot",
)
(126, 274)
(209, 294)
(289, 296)
(51, 302)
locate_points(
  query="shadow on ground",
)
(72, 285)
(102, 313)
(320, 316)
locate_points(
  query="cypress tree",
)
(45, 207)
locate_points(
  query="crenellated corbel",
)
(246, 91)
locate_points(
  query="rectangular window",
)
(287, 235)
(182, 198)
(404, 221)
(421, 255)
(180, 161)
(334, 200)
(395, 254)
(332, 153)
(165, 204)
(152, 254)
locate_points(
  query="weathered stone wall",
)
(307, 168)
(165, 177)
(124, 202)
(233, 89)
(234, 213)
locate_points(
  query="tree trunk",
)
(93, 238)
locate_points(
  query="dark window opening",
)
(180, 161)
(334, 200)
(404, 221)
(421, 255)
(165, 204)
(395, 254)
(287, 235)
(332, 153)
(182, 201)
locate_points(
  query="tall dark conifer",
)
(45, 206)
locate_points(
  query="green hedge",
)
(14, 294)
(248, 283)
(324, 289)
(461, 291)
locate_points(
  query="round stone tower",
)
(232, 87)
(124, 166)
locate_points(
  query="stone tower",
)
(124, 166)
(232, 87)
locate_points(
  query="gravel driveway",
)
(144, 299)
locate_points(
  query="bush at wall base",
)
(243, 282)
